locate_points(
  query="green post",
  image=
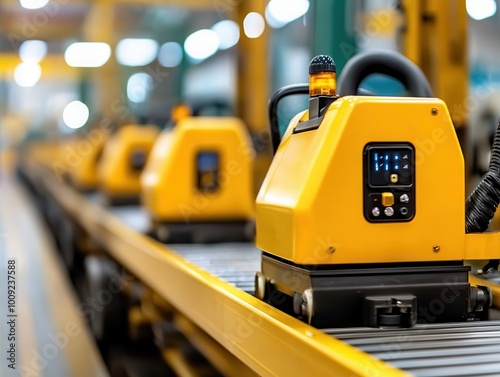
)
(334, 30)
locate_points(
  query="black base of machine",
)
(117, 201)
(209, 232)
(376, 295)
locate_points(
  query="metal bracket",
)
(382, 311)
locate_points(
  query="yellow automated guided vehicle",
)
(361, 217)
(197, 185)
(122, 162)
(84, 175)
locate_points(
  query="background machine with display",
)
(197, 184)
(361, 217)
(122, 162)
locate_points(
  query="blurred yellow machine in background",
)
(84, 176)
(361, 217)
(122, 162)
(197, 184)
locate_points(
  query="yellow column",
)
(436, 40)
(253, 78)
(100, 26)
(253, 87)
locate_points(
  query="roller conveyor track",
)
(235, 263)
(461, 349)
(133, 216)
(452, 349)
(223, 311)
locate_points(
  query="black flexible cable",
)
(495, 152)
(483, 202)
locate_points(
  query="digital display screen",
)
(138, 159)
(208, 161)
(207, 167)
(390, 166)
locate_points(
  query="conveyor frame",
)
(267, 340)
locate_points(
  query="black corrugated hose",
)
(482, 203)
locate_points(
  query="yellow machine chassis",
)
(117, 179)
(310, 207)
(169, 188)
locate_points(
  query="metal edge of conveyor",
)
(266, 339)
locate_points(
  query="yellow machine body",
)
(119, 178)
(310, 206)
(173, 187)
(84, 175)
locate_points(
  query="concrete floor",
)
(52, 338)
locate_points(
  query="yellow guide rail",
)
(267, 340)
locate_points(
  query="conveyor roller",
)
(428, 350)
(235, 263)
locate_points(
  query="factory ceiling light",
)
(138, 86)
(75, 114)
(27, 74)
(281, 12)
(201, 44)
(170, 54)
(33, 4)
(87, 54)
(253, 25)
(32, 51)
(136, 52)
(481, 9)
(228, 32)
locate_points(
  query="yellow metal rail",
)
(264, 338)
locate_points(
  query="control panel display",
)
(389, 182)
(390, 166)
(138, 159)
(207, 170)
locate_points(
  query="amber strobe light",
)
(322, 77)
(180, 112)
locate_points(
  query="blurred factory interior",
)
(134, 140)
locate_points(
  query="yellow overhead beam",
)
(193, 4)
(53, 66)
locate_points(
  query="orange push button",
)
(387, 199)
